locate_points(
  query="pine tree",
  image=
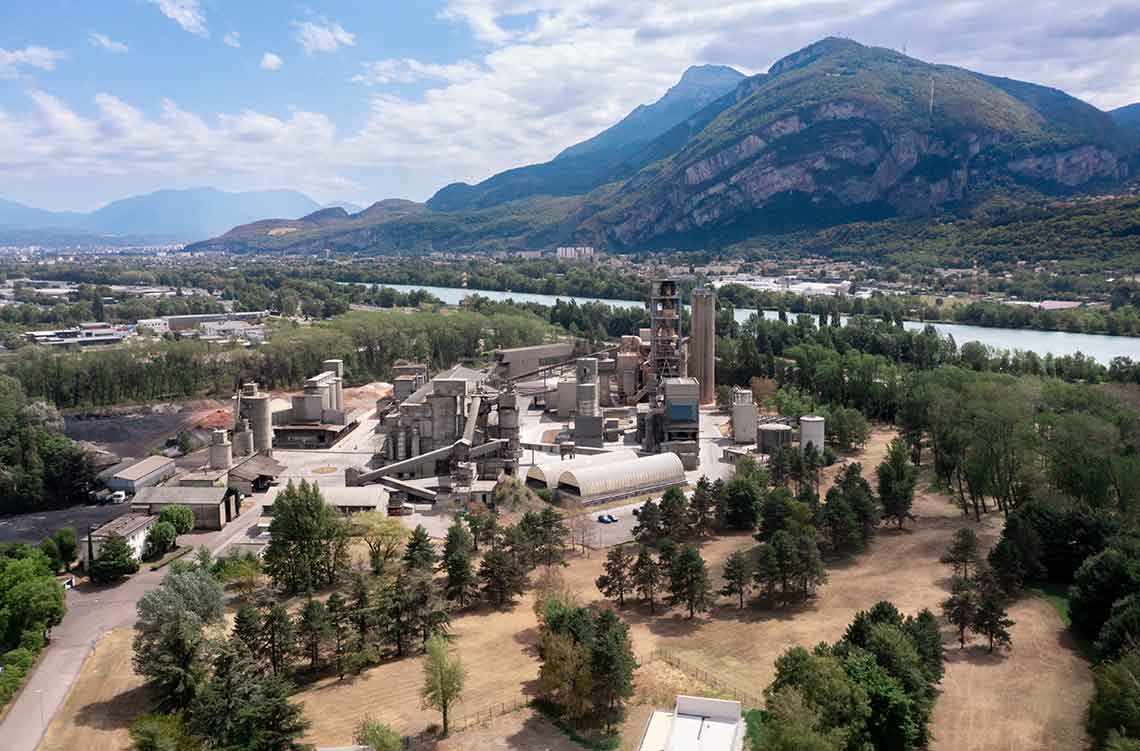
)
(991, 619)
(646, 575)
(361, 605)
(461, 581)
(459, 541)
(339, 623)
(502, 575)
(278, 638)
(314, 629)
(618, 576)
(961, 608)
(419, 555)
(647, 531)
(811, 572)
(612, 664)
(702, 510)
(897, 478)
(115, 561)
(247, 628)
(674, 514)
(277, 723)
(738, 569)
(689, 581)
(964, 552)
(767, 573)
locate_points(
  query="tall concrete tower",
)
(702, 343)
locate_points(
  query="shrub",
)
(181, 517)
(159, 540)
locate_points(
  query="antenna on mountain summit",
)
(932, 97)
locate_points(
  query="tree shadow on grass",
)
(118, 711)
(975, 654)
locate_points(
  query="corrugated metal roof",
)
(189, 495)
(611, 479)
(144, 468)
(550, 472)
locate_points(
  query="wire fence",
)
(484, 716)
(749, 700)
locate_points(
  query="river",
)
(1100, 347)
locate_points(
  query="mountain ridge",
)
(833, 133)
(171, 214)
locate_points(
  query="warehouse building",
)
(695, 724)
(131, 527)
(347, 501)
(609, 482)
(546, 475)
(213, 506)
(144, 474)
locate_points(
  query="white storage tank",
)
(811, 432)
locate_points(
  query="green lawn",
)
(1057, 595)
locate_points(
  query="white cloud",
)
(406, 70)
(107, 43)
(32, 57)
(232, 39)
(549, 73)
(271, 62)
(322, 36)
(186, 13)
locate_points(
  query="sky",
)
(370, 99)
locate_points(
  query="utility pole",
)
(90, 549)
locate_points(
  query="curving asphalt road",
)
(91, 611)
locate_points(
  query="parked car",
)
(118, 497)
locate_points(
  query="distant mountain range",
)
(834, 133)
(174, 215)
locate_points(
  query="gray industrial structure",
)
(702, 343)
(252, 416)
(773, 436)
(744, 416)
(812, 432)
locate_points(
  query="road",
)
(91, 611)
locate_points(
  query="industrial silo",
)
(773, 436)
(811, 432)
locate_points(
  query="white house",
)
(131, 527)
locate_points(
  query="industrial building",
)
(317, 417)
(131, 527)
(695, 724)
(609, 482)
(143, 474)
(347, 501)
(213, 506)
(518, 361)
(546, 475)
(744, 416)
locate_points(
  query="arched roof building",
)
(598, 484)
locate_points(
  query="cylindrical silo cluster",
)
(811, 432)
(702, 343)
(336, 388)
(243, 439)
(253, 405)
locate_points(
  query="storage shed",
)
(546, 475)
(213, 506)
(607, 482)
(143, 474)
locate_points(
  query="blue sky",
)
(366, 100)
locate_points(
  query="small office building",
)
(131, 527)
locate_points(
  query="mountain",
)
(612, 153)
(176, 215)
(834, 133)
(1127, 116)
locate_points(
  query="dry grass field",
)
(103, 702)
(1032, 697)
